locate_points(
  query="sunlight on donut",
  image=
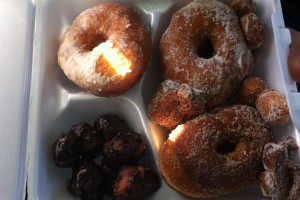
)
(114, 57)
(116, 60)
(176, 132)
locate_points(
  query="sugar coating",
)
(281, 178)
(242, 7)
(83, 49)
(174, 103)
(216, 77)
(273, 107)
(189, 160)
(253, 30)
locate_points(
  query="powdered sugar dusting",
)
(111, 36)
(85, 62)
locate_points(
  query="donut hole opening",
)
(225, 147)
(205, 49)
(93, 41)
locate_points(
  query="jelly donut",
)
(253, 30)
(106, 50)
(193, 29)
(273, 107)
(216, 153)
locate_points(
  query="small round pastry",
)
(250, 89)
(199, 27)
(106, 50)
(216, 153)
(126, 147)
(281, 178)
(80, 142)
(173, 104)
(88, 181)
(110, 125)
(135, 182)
(273, 107)
(242, 7)
(253, 29)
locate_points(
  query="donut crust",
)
(193, 162)
(216, 78)
(83, 46)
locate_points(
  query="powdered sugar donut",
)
(193, 29)
(106, 50)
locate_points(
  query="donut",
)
(217, 153)
(281, 178)
(135, 182)
(200, 26)
(273, 107)
(250, 89)
(253, 30)
(242, 7)
(106, 49)
(173, 104)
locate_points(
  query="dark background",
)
(291, 14)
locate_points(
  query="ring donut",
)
(194, 28)
(216, 153)
(185, 58)
(106, 50)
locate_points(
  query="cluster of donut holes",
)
(252, 27)
(270, 103)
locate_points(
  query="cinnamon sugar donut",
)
(173, 104)
(253, 30)
(193, 29)
(242, 7)
(250, 89)
(281, 178)
(216, 153)
(273, 107)
(106, 50)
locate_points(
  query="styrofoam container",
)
(16, 32)
(56, 103)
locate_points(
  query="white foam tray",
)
(56, 103)
(16, 32)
